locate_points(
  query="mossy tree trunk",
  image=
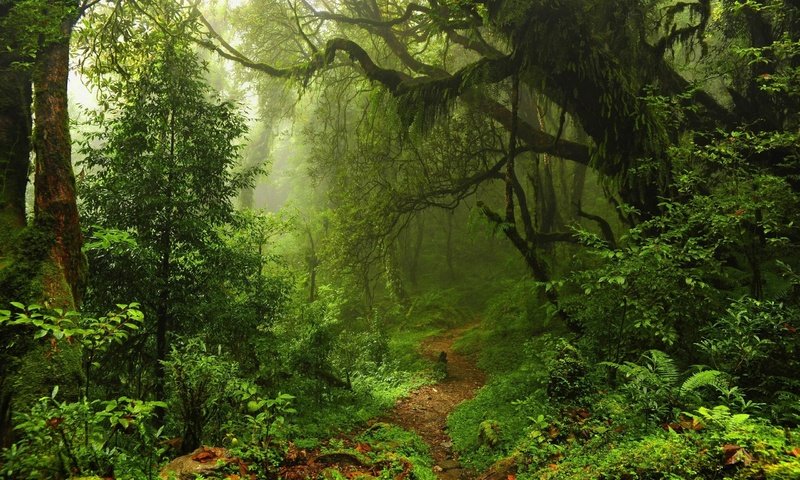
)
(43, 263)
(15, 121)
(55, 207)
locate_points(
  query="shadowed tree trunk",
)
(54, 271)
(15, 121)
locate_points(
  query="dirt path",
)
(425, 411)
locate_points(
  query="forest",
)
(399, 239)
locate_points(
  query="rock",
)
(203, 461)
(447, 444)
(501, 470)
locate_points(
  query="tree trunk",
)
(15, 147)
(16, 269)
(55, 208)
(413, 268)
(162, 313)
(451, 271)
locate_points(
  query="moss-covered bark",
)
(42, 263)
(15, 120)
(55, 204)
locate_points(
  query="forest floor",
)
(425, 410)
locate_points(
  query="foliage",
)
(257, 435)
(567, 372)
(199, 385)
(755, 341)
(71, 329)
(58, 438)
(644, 294)
(161, 165)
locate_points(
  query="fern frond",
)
(705, 378)
(663, 366)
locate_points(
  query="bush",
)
(200, 393)
(58, 439)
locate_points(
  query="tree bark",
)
(55, 207)
(15, 147)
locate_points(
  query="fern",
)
(705, 378)
(721, 416)
(650, 383)
(662, 365)
(657, 369)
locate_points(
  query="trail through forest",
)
(425, 410)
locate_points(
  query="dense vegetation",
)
(261, 209)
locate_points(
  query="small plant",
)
(567, 373)
(199, 383)
(255, 436)
(95, 335)
(653, 386)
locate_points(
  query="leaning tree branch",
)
(398, 83)
(461, 190)
(537, 140)
(605, 227)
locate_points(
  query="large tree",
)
(629, 75)
(42, 262)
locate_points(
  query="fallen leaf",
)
(54, 422)
(208, 454)
(734, 454)
(363, 447)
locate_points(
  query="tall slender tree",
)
(165, 172)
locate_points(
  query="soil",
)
(425, 410)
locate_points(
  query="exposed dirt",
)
(425, 411)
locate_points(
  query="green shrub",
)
(107, 438)
(199, 385)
